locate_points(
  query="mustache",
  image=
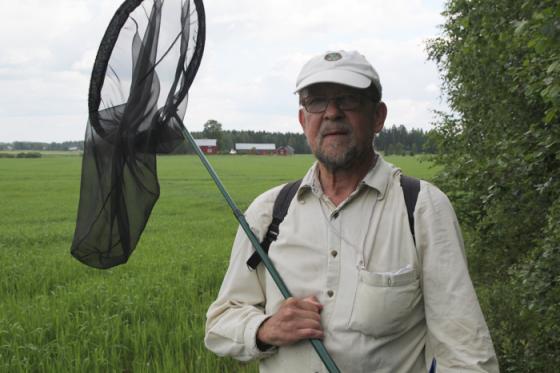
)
(328, 128)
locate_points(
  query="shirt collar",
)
(377, 178)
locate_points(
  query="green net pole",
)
(317, 344)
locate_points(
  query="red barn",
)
(285, 150)
(208, 146)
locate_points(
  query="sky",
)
(254, 51)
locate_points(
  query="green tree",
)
(399, 149)
(500, 152)
(213, 130)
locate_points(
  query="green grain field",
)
(57, 315)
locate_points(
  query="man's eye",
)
(348, 99)
(316, 101)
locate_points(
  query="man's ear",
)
(380, 116)
(301, 118)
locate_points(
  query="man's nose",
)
(333, 111)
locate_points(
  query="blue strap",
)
(433, 367)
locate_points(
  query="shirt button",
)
(330, 293)
(334, 253)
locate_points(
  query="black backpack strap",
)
(411, 188)
(281, 205)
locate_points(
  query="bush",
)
(500, 62)
(29, 155)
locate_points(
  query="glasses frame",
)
(361, 98)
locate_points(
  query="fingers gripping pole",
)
(317, 344)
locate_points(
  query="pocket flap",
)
(398, 278)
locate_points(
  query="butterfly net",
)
(145, 65)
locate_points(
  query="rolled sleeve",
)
(457, 334)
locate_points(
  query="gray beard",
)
(344, 161)
(354, 153)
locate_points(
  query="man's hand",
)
(296, 319)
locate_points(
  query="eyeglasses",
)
(348, 102)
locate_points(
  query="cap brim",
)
(348, 78)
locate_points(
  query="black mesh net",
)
(145, 65)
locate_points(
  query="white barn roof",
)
(206, 142)
(248, 146)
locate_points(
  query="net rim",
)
(107, 46)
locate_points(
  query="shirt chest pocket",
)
(385, 302)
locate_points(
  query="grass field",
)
(57, 315)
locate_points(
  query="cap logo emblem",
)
(335, 56)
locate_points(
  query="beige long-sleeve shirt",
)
(389, 305)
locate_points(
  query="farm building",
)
(285, 150)
(208, 146)
(248, 148)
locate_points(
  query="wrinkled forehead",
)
(329, 89)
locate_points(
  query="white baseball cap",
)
(341, 67)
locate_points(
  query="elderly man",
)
(380, 298)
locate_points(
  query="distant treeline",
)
(21, 155)
(38, 146)
(400, 141)
(228, 138)
(394, 140)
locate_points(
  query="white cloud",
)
(432, 88)
(253, 53)
(43, 128)
(27, 56)
(410, 113)
(85, 62)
